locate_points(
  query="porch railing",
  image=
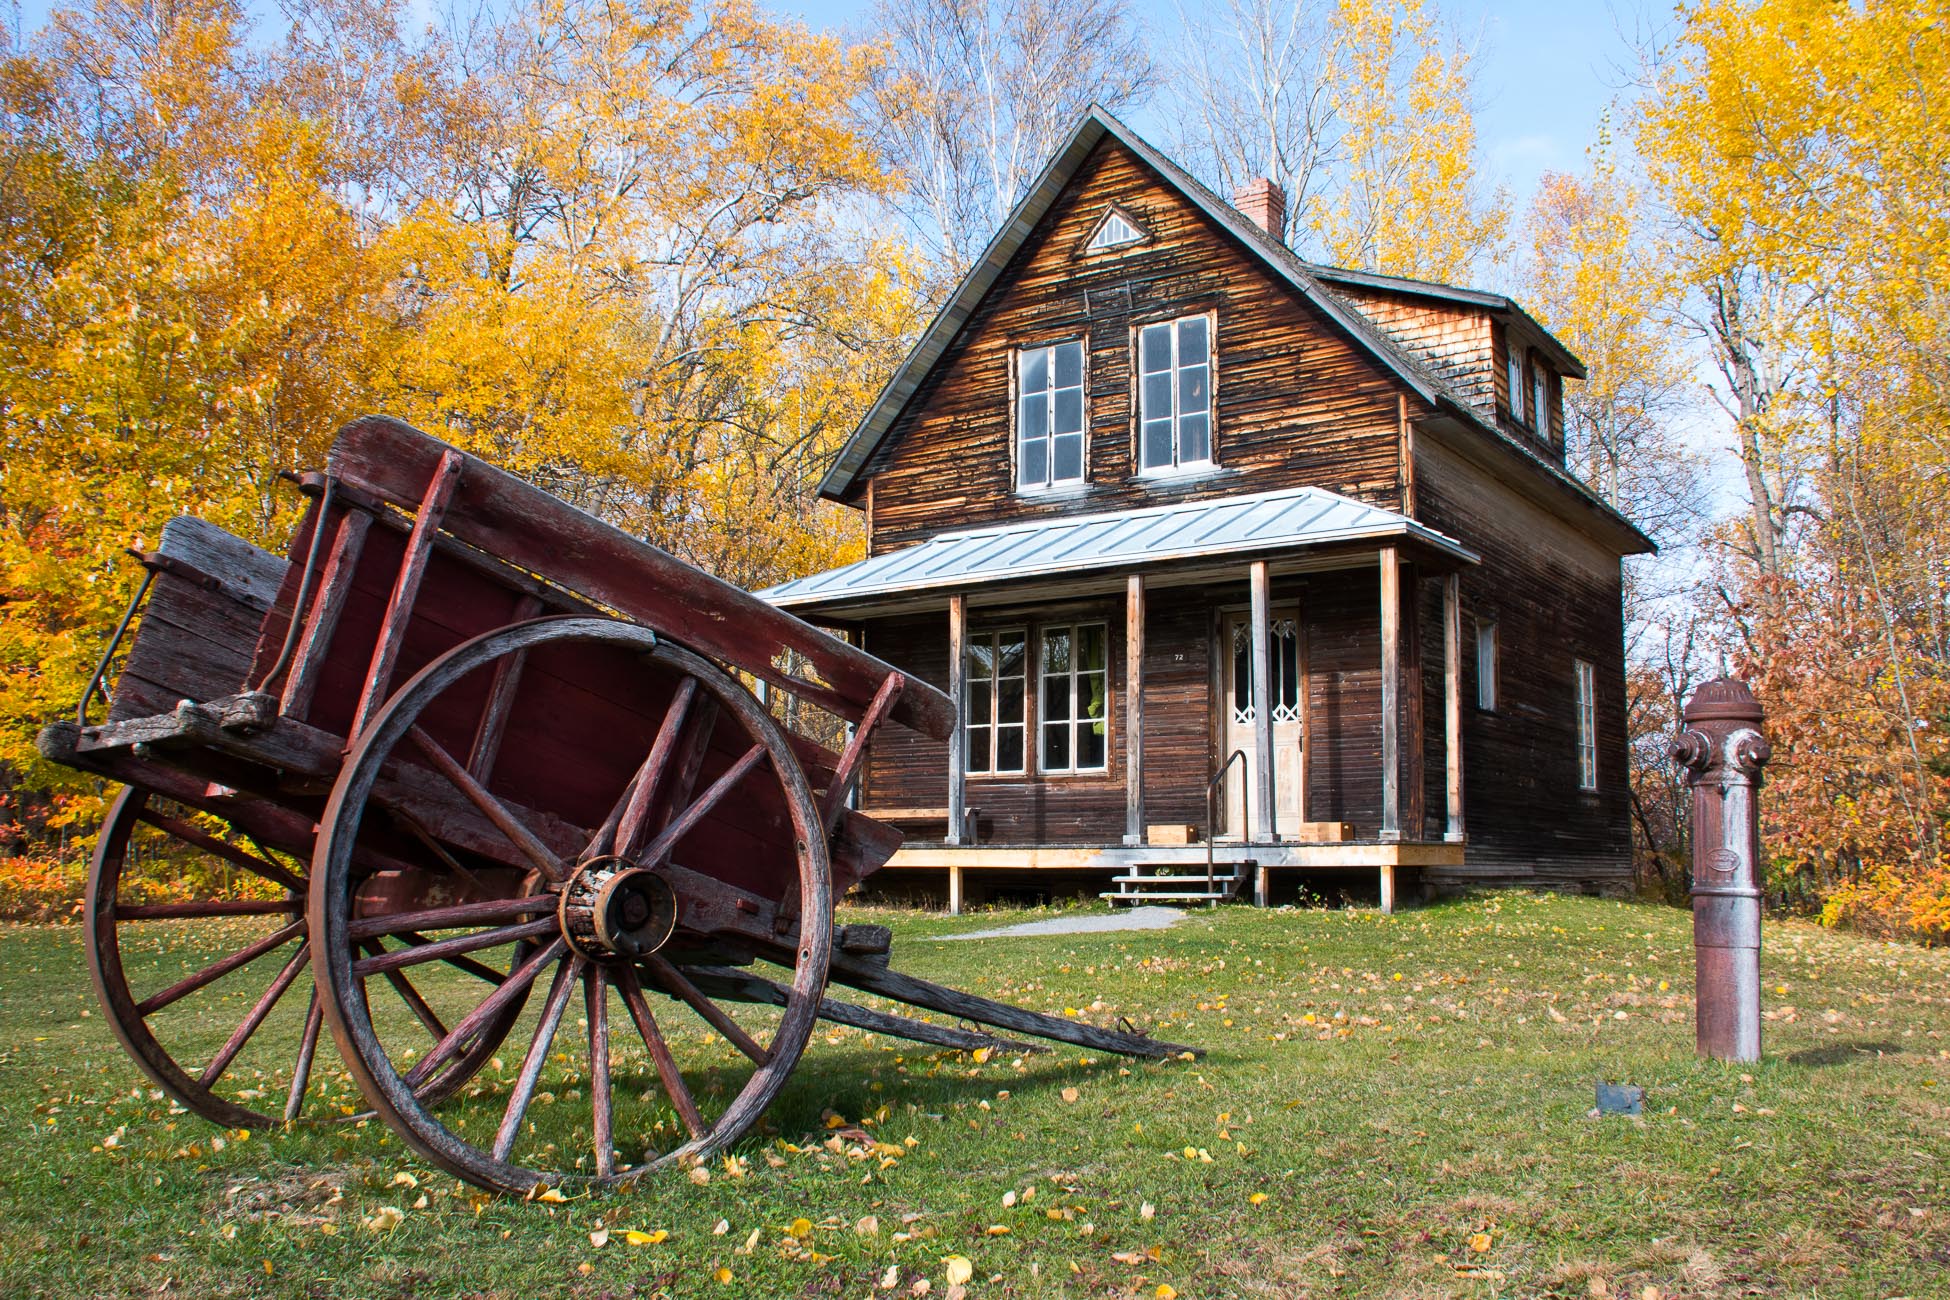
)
(1211, 808)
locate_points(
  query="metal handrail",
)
(1211, 787)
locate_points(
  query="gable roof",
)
(1286, 519)
(1091, 129)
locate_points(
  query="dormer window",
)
(1540, 401)
(1175, 394)
(1049, 415)
(1516, 384)
(1117, 229)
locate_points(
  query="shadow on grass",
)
(1842, 1053)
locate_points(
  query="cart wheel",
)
(598, 908)
(233, 1039)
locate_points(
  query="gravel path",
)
(1135, 918)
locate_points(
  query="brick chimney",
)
(1263, 203)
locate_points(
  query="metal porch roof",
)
(1284, 520)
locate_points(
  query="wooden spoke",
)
(492, 808)
(674, 981)
(294, 1104)
(511, 988)
(643, 793)
(229, 852)
(149, 1006)
(595, 990)
(501, 698)
(442, 948)
(450, 917)
(467, 964)
(235, 907)
(408, 994)
(667, 1072)
(667, 838)
(242, 1034)
(531, 1066)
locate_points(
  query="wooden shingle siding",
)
(1296, 402)
(1555, 596)
(1452, 341)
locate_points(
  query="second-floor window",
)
(1049, 415)
(1540, 401)
(1515, 380)
(1175, 394)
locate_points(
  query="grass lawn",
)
(1390, 1107)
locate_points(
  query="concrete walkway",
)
(1136, 918)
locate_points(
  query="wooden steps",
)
(1171, 883)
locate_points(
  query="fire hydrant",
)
(1722, 752)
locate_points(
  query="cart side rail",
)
(509, 518)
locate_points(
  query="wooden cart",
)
(465, 744)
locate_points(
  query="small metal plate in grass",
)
(1620, 1099)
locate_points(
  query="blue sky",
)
(1546, 70)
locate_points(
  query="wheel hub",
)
(613, 910)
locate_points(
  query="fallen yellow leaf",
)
(799, 1228)
(636, 1238)
(723, 1275)
(1479, 1242)
(959, 1269)
(1071, 1094)
(1165, 1292)
(553, 1196)
(1257, 1198)
(998, 1230)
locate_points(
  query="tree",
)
(1795, 145)
(1361, 110)
(975, 96)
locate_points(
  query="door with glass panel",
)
(1240, 708)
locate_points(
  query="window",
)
(1486, 665)
(1286, 672)
(1074, 700)
(1540, 401)
(994, 679)
(1049, 415)
(1115, 231)
(1587, 706)
(1516, 384)
(1175, 394)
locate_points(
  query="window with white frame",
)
(995, 700)
(1049, 415)
(1486, 665)
(1075, 698)
(1540, 401)
(1587, 706)
(1175, 394)
(1285, 646)
(1515, 383)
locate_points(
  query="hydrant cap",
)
(1723, 699)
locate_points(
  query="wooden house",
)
(1226, 553)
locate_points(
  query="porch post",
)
(957, 743)
(1134, 709)
(954, 891)
(1305, 696)
(1263, 824)
(1391, 674)
(1452, 701)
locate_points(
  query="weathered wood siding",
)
(1453, 342)
(1297, 403)
(1556, 596)
(1341, 619)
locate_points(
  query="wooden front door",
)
(1238, 708)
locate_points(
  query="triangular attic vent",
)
(1115, 230)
